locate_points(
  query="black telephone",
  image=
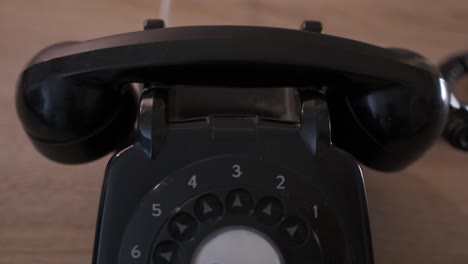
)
(247, 141)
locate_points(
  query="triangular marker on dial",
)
(267, 210)
(292, 230)
(167, 256)
(206, 208)
(181, 227)
(237, 202)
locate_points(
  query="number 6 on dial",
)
(136, 253)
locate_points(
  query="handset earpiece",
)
(74, 120)
(456, 131)
(390, 127)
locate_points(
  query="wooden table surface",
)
(48, 211)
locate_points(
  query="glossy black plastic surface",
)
(192, 148)
(456, 131)
(373, 92)
(76, 120)
(277, 103)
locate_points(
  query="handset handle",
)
(92, 73)
(139, 56)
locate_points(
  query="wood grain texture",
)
(48, 211)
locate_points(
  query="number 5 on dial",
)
(156, 210)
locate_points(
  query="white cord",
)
(165, 11)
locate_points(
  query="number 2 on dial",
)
(281, 180)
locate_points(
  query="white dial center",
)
(234, 245)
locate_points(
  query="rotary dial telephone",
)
(235, 144)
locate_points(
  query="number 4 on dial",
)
(193, 182)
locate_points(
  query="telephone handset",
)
(245, 136)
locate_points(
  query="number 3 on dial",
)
(237, 171)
